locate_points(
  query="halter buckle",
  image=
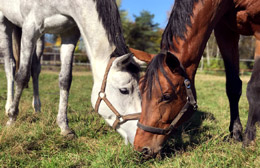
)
(187, 83)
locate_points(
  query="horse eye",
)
(166, 97)
(124, 91)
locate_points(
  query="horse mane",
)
(151, 74)
(109, 15)
(180, 18)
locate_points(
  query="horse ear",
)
(141, 55)
(123, 60)
(172, 61)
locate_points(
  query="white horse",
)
(98, 22)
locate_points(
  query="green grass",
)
(35, 140)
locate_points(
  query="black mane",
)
(180, 18)
(151, 74)
(109, 15)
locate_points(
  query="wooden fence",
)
(49, 58)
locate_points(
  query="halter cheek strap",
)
(120, 119)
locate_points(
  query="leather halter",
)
(120, 119)
(190, 102)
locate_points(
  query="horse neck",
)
(205, 16)
(97, 44)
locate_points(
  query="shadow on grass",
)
(188, 135)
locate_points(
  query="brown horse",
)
(168, 91)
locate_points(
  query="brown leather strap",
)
(128, 117)
(104, 82)
(97, 104)
(125, 118)
(111, 107)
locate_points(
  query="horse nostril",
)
(146, 151)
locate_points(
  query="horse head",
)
(121, 95)
(167, 99)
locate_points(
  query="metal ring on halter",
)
(120, 119)
(102, 95)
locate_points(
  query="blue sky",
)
(157, 7)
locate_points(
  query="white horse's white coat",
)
(71, 18)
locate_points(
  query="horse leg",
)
(68, 44)
(36, 66)
(6, 29)
(228, 44)
(29, 37)
(36, 69)
(253, 96)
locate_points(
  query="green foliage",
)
(215, 64)
(218, 64)
(118, 2)
(35, 140)
(81, 58)
(143, 33)
(246, 51)
(246, 47)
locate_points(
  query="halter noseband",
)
(120, 119)
(190, 102)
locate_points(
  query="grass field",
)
(34, 141)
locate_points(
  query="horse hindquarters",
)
(253, 96)
(228, 44)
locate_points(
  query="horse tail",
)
(16, 43)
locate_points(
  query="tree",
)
(118, 2)
(143, 34)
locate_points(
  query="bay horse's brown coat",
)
(228, 19)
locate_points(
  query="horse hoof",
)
(237, 136)
(36, 104)
(237, 132)
(69, 134)
(250, 135)
(36, 110)
(247, 142)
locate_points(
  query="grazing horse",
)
(168, 91)
(115, 93)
